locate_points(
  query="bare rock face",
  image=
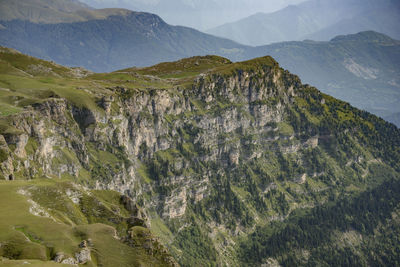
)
(63, 137)
(169, 150)
(20, 146)
(131, 206)
(64, 259)
(83, 256)
(70, 261)
(138, 217)
(6, 165)
(106, 102)
(59, 257)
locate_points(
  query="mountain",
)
(47, 11)
(363, 69)
(198, 14)
(226, 163)
(314, 19)
(60, 223)
(381, 19)
(39, 10)
(109, 39)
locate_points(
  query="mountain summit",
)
(107, 39)
(227, 163)
(362, 68)
(198, 14)
(112, 39)
(315, 19)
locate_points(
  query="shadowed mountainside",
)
(118, 41)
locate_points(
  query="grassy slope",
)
(307, 115)
(24, 81)
(27, 80)
(25, 236)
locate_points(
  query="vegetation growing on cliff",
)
(233, 163)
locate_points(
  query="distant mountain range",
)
(316, 20)
(101, 40)
(198, 14)
(363, 69)
(45, 11)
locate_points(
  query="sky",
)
(199, 14)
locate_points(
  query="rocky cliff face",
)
(55, 138)
(208, 157)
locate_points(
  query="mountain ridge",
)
(360, 68)
(200, 15)
(314, 19)
(365, 36)
(144, 39)
(55, 11)
(222, 158)
(114, 42)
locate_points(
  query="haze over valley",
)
(201, 15)
(318, 20)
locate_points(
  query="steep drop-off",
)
(222, 157)
(362, 68)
